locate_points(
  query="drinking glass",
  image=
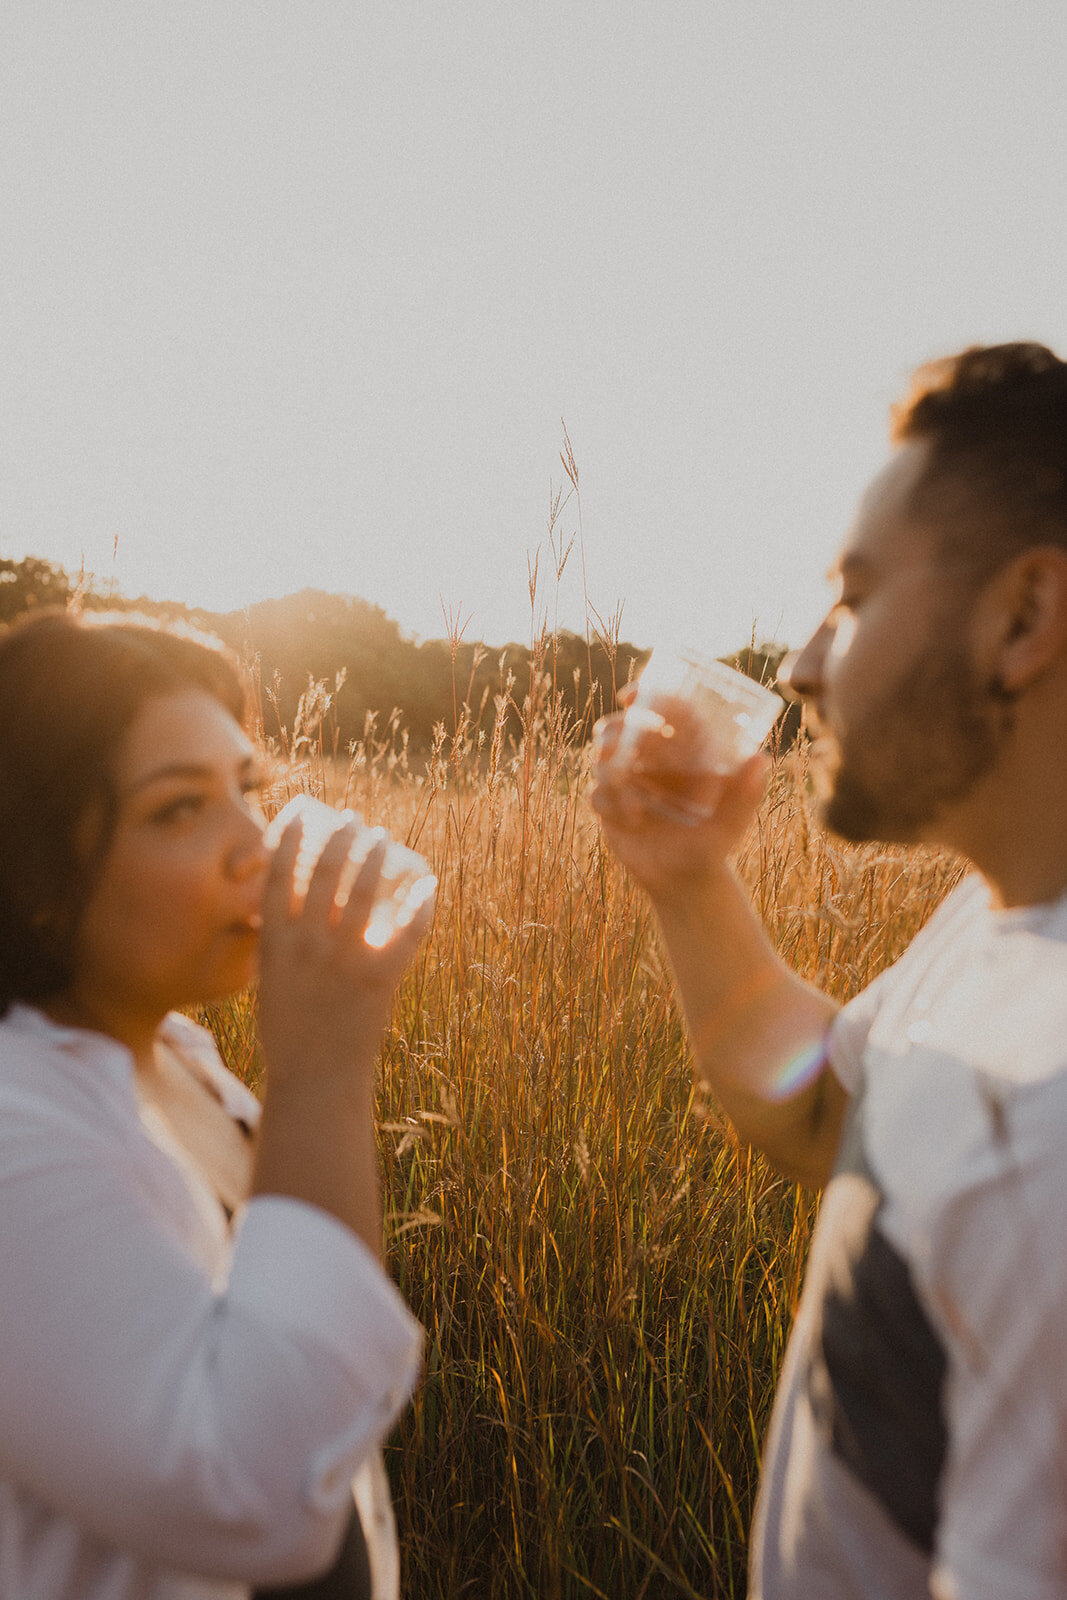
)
(405, 884)
(735, 716)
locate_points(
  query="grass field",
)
(605, 1280)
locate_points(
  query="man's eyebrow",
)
(851, 565)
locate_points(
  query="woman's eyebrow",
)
(187, 769)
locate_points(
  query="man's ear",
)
(1023, 616)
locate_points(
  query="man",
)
(919, 1436)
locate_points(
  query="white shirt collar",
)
(115, 1061)
(84, 1043)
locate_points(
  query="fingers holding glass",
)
(347, 876)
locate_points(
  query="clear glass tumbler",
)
(406, 882)
(735, 714)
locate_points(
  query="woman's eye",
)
(180, 809)
(252, 790)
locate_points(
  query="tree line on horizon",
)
(315, 655)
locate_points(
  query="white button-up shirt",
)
(182, 1409)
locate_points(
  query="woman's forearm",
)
(316, 1143)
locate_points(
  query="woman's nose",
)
(250, 853)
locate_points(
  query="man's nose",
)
(800, 672)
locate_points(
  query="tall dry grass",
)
(606, 1281)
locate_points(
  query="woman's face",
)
(174, 915)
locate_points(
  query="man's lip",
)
(818, 726)
(252, 924)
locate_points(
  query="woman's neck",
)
(135, 1029)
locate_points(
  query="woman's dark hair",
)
(995, 420)
(70, 687)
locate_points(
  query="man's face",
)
(907, 727)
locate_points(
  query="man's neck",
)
(1029, 883)
(1014, 828)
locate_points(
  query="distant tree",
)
(314, 647)
(25, 585)
(316, 636)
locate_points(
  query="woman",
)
(199, 1349)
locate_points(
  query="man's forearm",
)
(757, 1030)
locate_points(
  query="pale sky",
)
(297, 294)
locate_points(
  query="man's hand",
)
(668, 817)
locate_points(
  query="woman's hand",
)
(325, 998)
(670, 819)
(325, 994)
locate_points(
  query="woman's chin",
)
(231, 977)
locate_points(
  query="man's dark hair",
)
(69, 690)
(995, 420)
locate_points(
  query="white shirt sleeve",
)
(851, 1026)
(849, 1030)
(213, 1427)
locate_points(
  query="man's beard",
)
(919, 749)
